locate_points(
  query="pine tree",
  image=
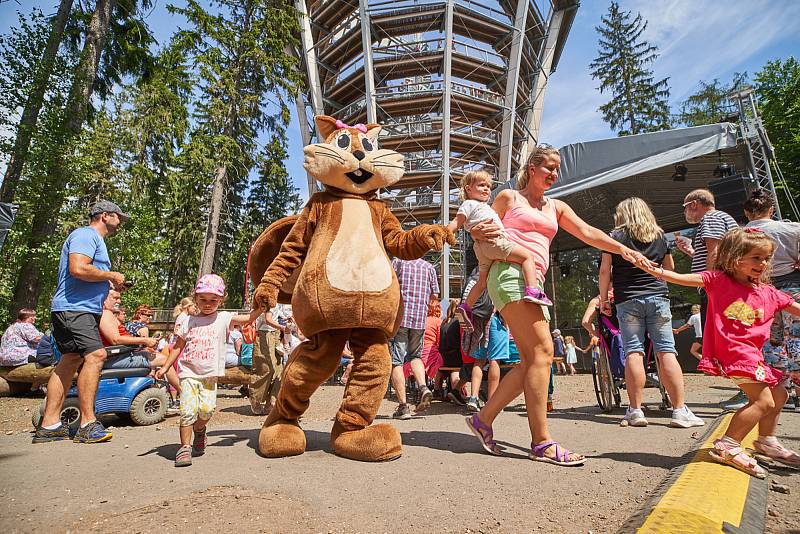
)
(243, 72)
(638, 102)
(272, 196)
(710, 104)
(34, 102)
(85, 79)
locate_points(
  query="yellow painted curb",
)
(706, 497)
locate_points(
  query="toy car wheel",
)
(70, 414)
(149, 407)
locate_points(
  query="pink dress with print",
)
(737, 325)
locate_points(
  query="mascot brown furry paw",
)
(331, 263)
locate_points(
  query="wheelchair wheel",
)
(604, 388)
(666, 403)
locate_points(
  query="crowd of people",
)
(745, 322)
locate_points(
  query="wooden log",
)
(238, 376)
(28, 373)
(8, 389)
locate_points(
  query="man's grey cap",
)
(106, 206)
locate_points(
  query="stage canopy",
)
(595, 176)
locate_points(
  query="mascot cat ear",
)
(328, 125)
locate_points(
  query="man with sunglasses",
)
(84, 280)
(712, 224)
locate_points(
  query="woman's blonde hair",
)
(633, 216)
(534, 158)
(184, 305)
(736, 244)
(471, 178)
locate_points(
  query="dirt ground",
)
(442, 483)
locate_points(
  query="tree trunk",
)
(81, 91)
(30, 115)
(221, 173)
(53, 192)
(210, 242)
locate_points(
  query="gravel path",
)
(441, 483)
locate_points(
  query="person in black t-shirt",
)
(642, 305)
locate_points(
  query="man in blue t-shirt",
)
(84, 279)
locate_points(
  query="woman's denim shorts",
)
(646, 315)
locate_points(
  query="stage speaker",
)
(730, 193)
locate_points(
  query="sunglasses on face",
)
(689, 203)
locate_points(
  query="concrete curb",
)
(690, 483)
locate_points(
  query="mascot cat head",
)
(349, 159)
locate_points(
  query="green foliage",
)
(576, 283)
(777, 86)
(272, 196)
(710, 104)
(639, 102)
(160, 126)
(20, 53)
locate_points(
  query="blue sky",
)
(697, 40)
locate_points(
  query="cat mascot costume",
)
(332, 263)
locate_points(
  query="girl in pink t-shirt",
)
(201, 344)
(741, 306)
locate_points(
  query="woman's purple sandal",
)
(484, 434)
(561, 456)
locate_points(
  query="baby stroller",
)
(608, 366)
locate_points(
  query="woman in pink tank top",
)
(532, 220)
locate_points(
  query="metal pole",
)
(314, 86)
(766, 151)
(366, 41)
(512, 83)
(534, 115)
(448, 92)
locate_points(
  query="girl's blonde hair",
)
(695, 308)
(633, 216)
(471, 178)
(183, 306)
(736, 244)
(569, 340)
(534, 158)
(452, 304)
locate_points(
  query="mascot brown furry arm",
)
(333, 262)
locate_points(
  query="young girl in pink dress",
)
(741, 306)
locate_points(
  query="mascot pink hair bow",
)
(360, 127)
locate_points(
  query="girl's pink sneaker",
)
(537, 296)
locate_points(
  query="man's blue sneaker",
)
(43, 435)
(94, 432)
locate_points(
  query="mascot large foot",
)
(281, 437)
(375, 443)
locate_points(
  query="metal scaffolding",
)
(458, 85)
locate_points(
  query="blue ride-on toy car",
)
(130, 392)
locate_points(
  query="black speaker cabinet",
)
(730, 193)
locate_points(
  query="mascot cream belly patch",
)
(337, 254)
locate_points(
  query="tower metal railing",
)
(454, 83)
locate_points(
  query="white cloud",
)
(697, 40)
(708, 39)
